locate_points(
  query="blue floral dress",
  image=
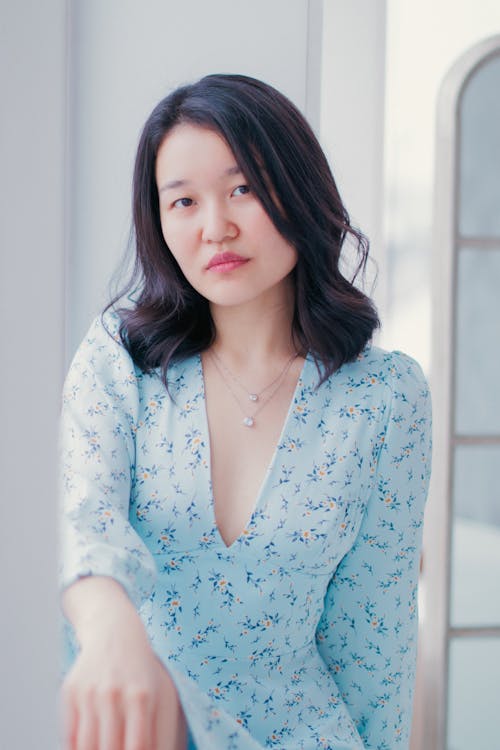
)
(302, 633)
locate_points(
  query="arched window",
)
(460, 639)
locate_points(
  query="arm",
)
(99, 417)
(101, 601)
(117, 694)
(367, 634)
(107, 572)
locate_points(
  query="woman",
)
(245, 474)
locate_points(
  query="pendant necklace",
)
(249, 419)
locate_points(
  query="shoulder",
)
(393, 372)
(392, 382)
(407, 394)
(103, 334)
(101, 360)
(102, 342)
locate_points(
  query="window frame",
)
(436, 629)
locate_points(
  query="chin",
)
(232, 297)
(229, 300)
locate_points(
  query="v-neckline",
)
(267, 474)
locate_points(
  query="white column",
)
(32, 143)
(352, 116)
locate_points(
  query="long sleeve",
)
(99, 416)
(367, 634)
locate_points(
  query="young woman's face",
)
(223, 240)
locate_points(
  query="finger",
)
(88, 729)
(111, 722)
(163, 731)
(170, 725)
(68, 721)
(138, 723)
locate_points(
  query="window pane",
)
(475, 571)
(479, 159)
(478, 342)
(474, 696)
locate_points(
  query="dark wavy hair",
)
(287, 170)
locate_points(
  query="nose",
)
(217, 224)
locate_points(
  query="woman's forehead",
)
(190, 151)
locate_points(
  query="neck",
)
(257, 331)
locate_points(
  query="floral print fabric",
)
(302, 633)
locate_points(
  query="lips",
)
(222, 258)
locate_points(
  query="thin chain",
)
(253, 395)
(249, 420)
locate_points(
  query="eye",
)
(241, 190)
(182, 203)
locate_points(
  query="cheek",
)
(169, 233)
(267, 234)
(178, 241)
(286, 254)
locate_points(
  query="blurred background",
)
(405, 99)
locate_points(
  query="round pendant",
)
(248, 421)
(253, 397)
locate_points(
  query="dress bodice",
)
(289, 633)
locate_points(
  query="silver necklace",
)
(251, 394)
(249, 420)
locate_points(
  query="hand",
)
(119, 696)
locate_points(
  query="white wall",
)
(32, 79)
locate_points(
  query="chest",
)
(293, 486)
(241, 456)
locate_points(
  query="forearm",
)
(97, 606)
(117, 684)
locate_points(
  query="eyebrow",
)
(173, 184)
